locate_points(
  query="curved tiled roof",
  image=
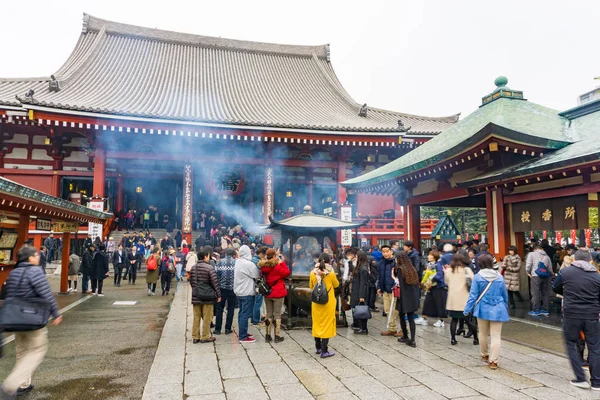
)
(127, 70)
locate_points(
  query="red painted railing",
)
(395, 225)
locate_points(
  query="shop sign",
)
(562, 213)
(43, 224)
(62, 227)
(94, 229)
(346, 215)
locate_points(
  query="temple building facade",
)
(138, 117)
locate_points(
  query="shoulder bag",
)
(362, 311)
(203, 291)
(22, 314)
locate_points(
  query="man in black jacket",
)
(99, 271)
(134, 258)
(86, 267)
(373, 277)
(580, 286)
(119, 261)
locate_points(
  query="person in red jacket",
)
(275, 271)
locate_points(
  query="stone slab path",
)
(364, 367)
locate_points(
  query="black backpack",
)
(262, 287)
(320, 294)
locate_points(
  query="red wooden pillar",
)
(64, 265)
(120, 196)
(341, 177)
(497, 222)
(412, 225)
(99, 171)
(22, 233)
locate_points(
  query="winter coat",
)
(86, 263)
(99, 266)
(458, 291)
(225, 269)
(74, 264)
(493, 306)
(415, 259)
(275, 271)
(386, 282)
(245, 273)
(512, 272)
(34, 285)
(445, 259)
(152, 276)
(43, 259)
(110, 246)
(409, 295)
(360, 284)
(533, 259)
(203, 272)
(323, 315)
(580, 286)
(190, 260)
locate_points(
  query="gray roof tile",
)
(133, 71)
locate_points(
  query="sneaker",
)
(93, 293)
(595, 387)
(22, 391)
(581, 384)
(318, 351)
(100, 295)
(485, 358)
(545, 313)
(421, 321)
(248, 340)
(534, 313)
(227, 331)
(149, 292)
(153, 294)
(439, 324)
(327, 354)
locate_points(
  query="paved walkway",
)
(364, 367)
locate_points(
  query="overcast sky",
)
(433, 58)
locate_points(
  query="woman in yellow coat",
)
(323, 315)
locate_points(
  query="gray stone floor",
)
(364, 367)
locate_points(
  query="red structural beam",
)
(438, 196)
(552, 193)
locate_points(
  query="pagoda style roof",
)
(504, 116)
(583, 128)
(132, 71)
(308, 220)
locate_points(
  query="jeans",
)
(178, 268)
(539, 291)
(146, 224)
(152, 287)
(84, 283)
(246, 305)
(591, 329)
(97, 284)
(258, 301)
(227, 296)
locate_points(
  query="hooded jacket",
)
(533, 260)
(245, 273)
(493, 306)
(275, 271)
(580, 286)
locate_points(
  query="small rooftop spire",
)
(502, 91)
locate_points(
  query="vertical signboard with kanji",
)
(268, 200)
(346, 215)
(187, 199)
(95, 230)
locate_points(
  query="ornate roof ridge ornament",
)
(363, 111)
(27, 98)
(502, 91)
(53, 84)
(402, 128)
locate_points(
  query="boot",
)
(268, 324)
(278, 331)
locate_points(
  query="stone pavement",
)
(364, 367)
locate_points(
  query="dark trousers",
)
(539, 291)
(84, 282)
(97, 284)
(511, 297)
(411, 324)
(132, 272)
(165, 281)
(227, 296)
(362, 324)
(258, 301)
(152, 287)
(372, 297)
(591, 330)
(118, 271)
(322, 344)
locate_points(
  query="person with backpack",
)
(167, 267)
(324, 280)
(179, 260)
(539, 269)
(488, 301)
(274, 271)
(26, 281)
(152, 268)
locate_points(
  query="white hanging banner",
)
(95, 230)
(346, 215)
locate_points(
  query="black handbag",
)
(22, 314)
(362, 311)
(203, 291)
